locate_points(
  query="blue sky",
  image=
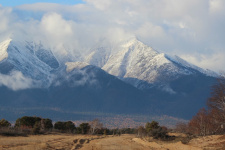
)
(21, 2)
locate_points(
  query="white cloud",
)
(217, 6)
(215, 61)
(16, 81)
(56, 29)
(99, 4)
(5, 16)
(184, 27)
(55, 25)
(150, 30)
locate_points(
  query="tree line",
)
(210, 120)
(38, 125)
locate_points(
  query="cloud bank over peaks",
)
(188, 28)
(17, 81)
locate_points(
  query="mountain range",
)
(126, 78)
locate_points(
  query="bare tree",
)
(200, 124)
(96, 125)
(216, 104)
(215, 122)
(217, 100)
(211, 121)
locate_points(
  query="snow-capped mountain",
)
(129, 77)
(142, 66)
(28, 58)
(131, 61)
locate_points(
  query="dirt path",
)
(123, 142)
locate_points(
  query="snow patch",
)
(160, 60)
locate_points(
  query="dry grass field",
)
(39, 142)
(123, 142)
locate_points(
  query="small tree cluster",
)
(67, 126)
(4, 123)
(206, 122)
(35, 124)
(83, 128)
(27, 122)
(154, 130)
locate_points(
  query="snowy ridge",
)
(189, 65)
(22, 58)
(75, 65)
(25, 60)
(3, 49)
(98, 56)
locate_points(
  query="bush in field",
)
(46, 124)
(84, 127)
(159, 133)
(4, 123)
(154, 130)
(151, 126)
(37, 127)
(59, 125)
(33, 124)
(68, 126)
(27, 121)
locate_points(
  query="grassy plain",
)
(123, 142)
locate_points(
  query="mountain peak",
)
(137, 63)
(131, 42)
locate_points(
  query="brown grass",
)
(38, 142)
(123, 142)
